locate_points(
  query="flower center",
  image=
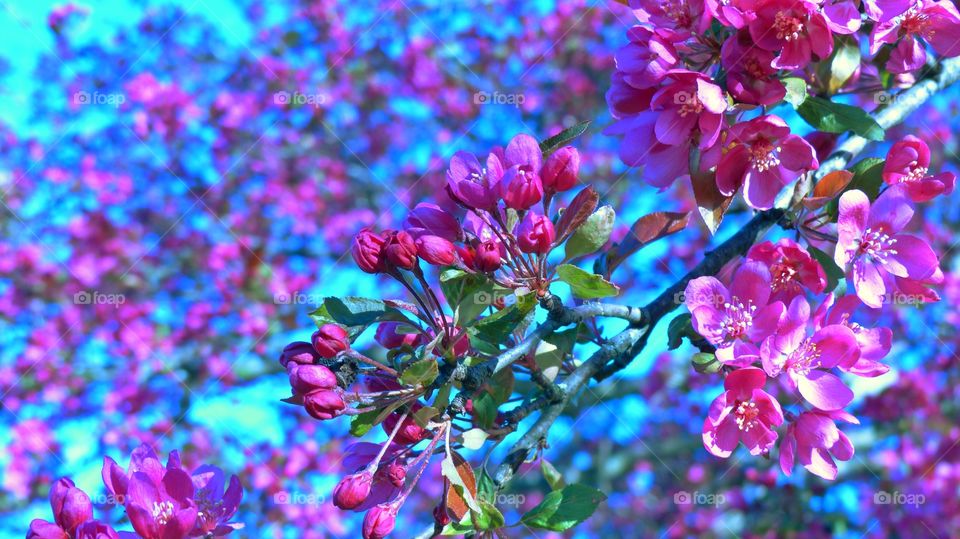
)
(783, 274)
(738, 319)
(689, 104)
(804, 359)
(162, 512)
(477, 177)
(787, 26)
(764, 155)
(677, 11)
(877, 245)
(914, 21)
(916, 173)
(746, 414)
(754, 68)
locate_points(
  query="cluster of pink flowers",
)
(162, 502)
(692, 69)
(763, 327)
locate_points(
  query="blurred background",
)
(179, 183)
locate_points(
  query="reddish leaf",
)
(454, 501)
(646, 230)
(710, 201)
(827, 188)
(580, 208)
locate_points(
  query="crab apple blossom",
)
(763, 156)
(299, 352)
(871, 242)
(682, 16)
(750, 76)
(436, 250)
(399, 249)
(427, 219)
(798, 30)
(487, 257)
(937, 22)
(792, 270)
(535, 234)
(380, 521)
(353, 490)
(561, 170)
(908, 163)
(388, 336)
(162, 510)
(324, 404)
(305, 379)
(94, 529)
(734, 319)
(647, 58)
(874, 342)
(814, 439)
(367, 251)
(217, 501)
(743, 412)
(330, 340)
(471, 184)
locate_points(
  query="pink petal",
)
(752, 283)
(837, 345)
(915, 257)
(868, 282)
(854, 209)
(824, 390)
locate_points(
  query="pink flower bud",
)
(352, 490)
(467, 255)
(379, 521)
(440, 515)
(94, 529)
(487, 257)
(522, 187)
(71, 506)
(306, 379)
(400, 250)
(535, 234)
(388, 336)
(561, 169)
(324, 404)
(367, 251)
(330, 340)
(41, 529)
(430, 219)
(298, 352)
(436, 250)
(409, 432)
(397, 474)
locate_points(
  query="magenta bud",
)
(522, 187)
(94, 529)
(71, 506)
(41, 529)
(440, 515)
(561, 170)
(330, 340)
(379, 521)
(367, 251)
(535, 234)
(432, 220)
(299, 352)
(305, 379)
(352, 490)
(487, 257)
(324, 404)
(408, 433)
(388, 336)
(400, 250)
(397, 474)
(436, 250)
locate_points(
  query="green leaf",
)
(796, 90)
(843, 63)
(356, 311)
(834, 273)
(497, 326)
(552, 475)
(705, 363)
(463, 527)
(362, 423)
(321, 317)
(563, 138)
(586, 285)
(420, 373)
(832, 117)
(484, 411)
(486, 488)
(592, 234)
(563, 509)
(867, 177)
(489, 517)
(681, 326)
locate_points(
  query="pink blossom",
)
(869, 239)
(815, 440)
(800, 29)
(647, 58)
(750, 76)
(535, 234)
(792, 269)
(935, 21)
(763, 157)
(907, 163)
(743, 412)
(682, 16)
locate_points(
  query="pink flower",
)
(743, 412)
(561, 170)
(352, 490)
(521, 183)
(936, 22)
(648, 57)
(807, 360)
(430, 219)
(815, 439)
(800, 29)
(791, 269)
(869, 240)
(380, 521)
(399, 249)
(735, 319)
(367, 251)
(750, 77)
(388, 336)
(305, 379)
(330, 340)
(682, 16)
(163, 510)
(488, 256)
(907, 163)
(763, 157)
(472, 185)
(874, 342)
(436, 250)
(324, 404)
(535, 234)
(298, 352)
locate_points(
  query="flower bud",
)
(330, 340)
(409, 432)
(324, 404)
(306, 379)
(94, 529)
(367, 251)
(388, 336)
(440, 515)
(487, 257)
(379, 521)
(71, 506)
(561, 170)
(397, 474)
(400, 250)
(430, 219)
(436, 250)
(535, 234)
(352, 490)
(41, 529)
(522, 187)
(298, 352)
(467, 255)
